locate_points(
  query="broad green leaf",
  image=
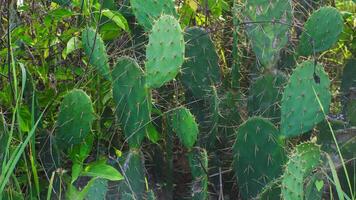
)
(102, 170)
(117, 18)
(73, 44)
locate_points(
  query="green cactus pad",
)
(321, 31)
(265, 96)
(132, 100)
(95, 50)
(133, 170)
(75, 118)
(198, 162)
(165, 51)
(300, 109)
(98, 190)
(149, 10)
(300, 165)
(258, 156)
(267, 25)
(201, 70)
(183, 123)
(351, 112)
(348, 77)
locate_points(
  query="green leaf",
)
(73, 44)
(117, 18)
(102, 170)
(319, 184)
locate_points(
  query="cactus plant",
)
(198, 162)
(184, 125)
(351, 112)
(201, 70)
(132, 100)
(348, 77)
(133, 171)
(265, 95)
(300, 108)
(300, 165)
(148, 11)
(321, 31)
(267, 25)
(95, 50)
(165, 51)
(98, 190)
(75, 118)
(258, 155)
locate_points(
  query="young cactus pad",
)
(322, 30)
(300, 165)
(201, 69)
(75, 118)
(183, 123)
(198, 162)
(300, 108)
(267, 25)
(265, 95)
(258, 156)
(95, 50)
(146, 11)
(165, 51)
(132, 100)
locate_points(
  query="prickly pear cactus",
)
(133, 171)
(321, 31)
(300, 109)
(165, 51)
(272, 191)
(351, 112)
(75, 118)
(267, 25)
(95, 51)
(98, 190)
(149, 10)
(198, 162)
(300, 165)
(258, 156)
(132, 100)
(348, 77)
(265, 95)
(184, 125)
(201, 70)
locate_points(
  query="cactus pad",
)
(75, 118)
(149, 10)
(132, 100)
(265, 96)
(165, 51)
(95, 50)
(133, 171)
(198, 162)
(201, 69)
(258, 156)
(348, 77)
(322, 30)
(183, 123)
(300, 165)
(267, 25)
(98, 190)
(300, 109)
(351, 112)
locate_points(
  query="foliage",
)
(163, 99)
